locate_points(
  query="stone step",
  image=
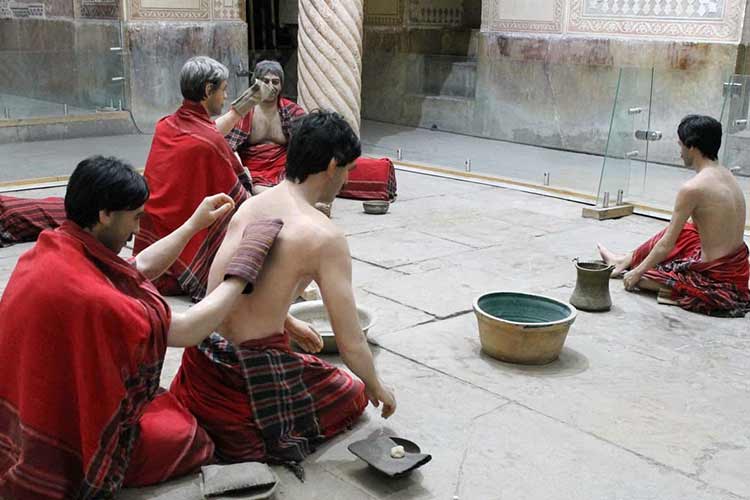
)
(449, 76)
(446, 113)
(66, 127)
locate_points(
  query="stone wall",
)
(63, 60)
(545, 72)
(157, 51)
(61, 51)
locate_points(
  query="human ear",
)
(331, 169)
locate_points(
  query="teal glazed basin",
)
(522, 328)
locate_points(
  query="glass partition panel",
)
(77, 74)
(531, 122)
(58, 76)
(625, 162)
(735, 115)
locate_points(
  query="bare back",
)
(719, 211)
(294, 261)
(267, 126)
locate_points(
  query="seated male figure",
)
(700, 265)
(257, 398)
(262, 136)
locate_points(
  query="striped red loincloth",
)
(262, 402)
(22, 219)
(716, 288)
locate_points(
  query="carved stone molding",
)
(493, 20)
(181, 10)
(384, 13)
(704, 20)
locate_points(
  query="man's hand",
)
(211, 209)
(304, 335)
(382, 394)
(631, 279)
(251, 97)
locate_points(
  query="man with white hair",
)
(189, 160)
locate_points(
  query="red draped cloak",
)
(189, 160)
(82, 340)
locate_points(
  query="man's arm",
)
(684, 205)
(226, 122)
(241, 106)
(335, 282)
(194, 325)
(157, 258)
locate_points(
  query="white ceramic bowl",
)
(314, 312)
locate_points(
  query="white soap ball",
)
(398, 452)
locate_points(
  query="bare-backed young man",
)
(255, 397)
(701, 265)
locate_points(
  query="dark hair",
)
(317, 138)
(103, 183)
(701, 132)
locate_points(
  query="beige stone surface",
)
(330, 57)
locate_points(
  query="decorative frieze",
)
(383, 13)
(694, 20)
(539, 16)
(10, 9)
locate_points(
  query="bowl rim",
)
(314, 304)
(568, 319)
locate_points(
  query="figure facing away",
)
(83, 335)
(261, 137)
(700, 260)
(189, 160)
(257, 398)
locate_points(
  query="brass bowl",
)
(376, 207)
(314, 312)
(523, 328)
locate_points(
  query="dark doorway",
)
(272, 34)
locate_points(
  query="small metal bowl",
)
(375, 207)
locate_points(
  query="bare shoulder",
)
(693, 188)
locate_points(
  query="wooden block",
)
(600, 213)
(665, 297)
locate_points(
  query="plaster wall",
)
(159, 49)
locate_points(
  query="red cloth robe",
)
(262, 402)
(82, 340)
(718, 288)
(266, 162)
(189, 160)
(22, 219)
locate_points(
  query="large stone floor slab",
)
(645, 402)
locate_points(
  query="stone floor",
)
(646, 401)
(651, 184)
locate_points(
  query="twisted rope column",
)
(330, 56)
